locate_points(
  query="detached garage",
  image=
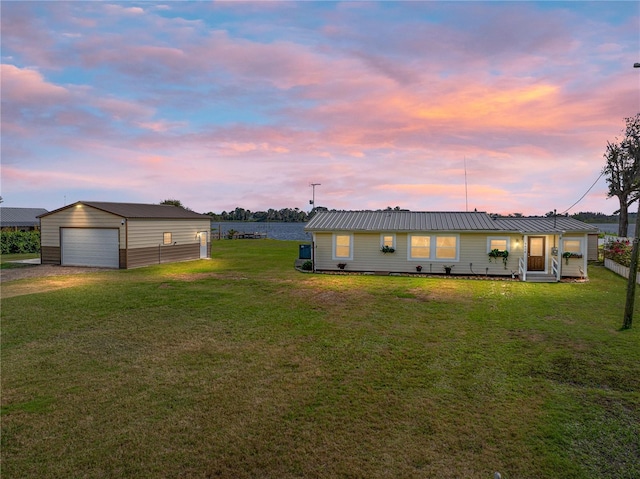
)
(122, 235)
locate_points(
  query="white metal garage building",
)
(122, 235)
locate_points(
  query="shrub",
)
(18, 242)
(618, 251)
(307, 266)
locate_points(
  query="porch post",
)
(560, 253)
(525, 254)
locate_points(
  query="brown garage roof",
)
(138, 210)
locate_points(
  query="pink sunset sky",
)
(231, 104)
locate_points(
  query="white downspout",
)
(313, 251)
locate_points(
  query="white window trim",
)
(574, 238)
(411, 258)
(393, 240)
(333, 247)
(433, 247)
(489, 238)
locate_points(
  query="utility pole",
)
(633, 265)
(312, 202)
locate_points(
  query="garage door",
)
(90, 247)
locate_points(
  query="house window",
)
(420, 247)
(499, 243)
(388, 240)
(436, 247)
(166, 238)
(446, 247)
(342, 246)
(572, 246)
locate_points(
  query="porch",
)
(549, 256)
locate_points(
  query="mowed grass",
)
(242, 367)
(7, 260)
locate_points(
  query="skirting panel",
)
(50, 254)
(162, 254)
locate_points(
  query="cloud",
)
(380, 102)
(28, 87)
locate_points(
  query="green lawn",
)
(7, 260)
(242, 367)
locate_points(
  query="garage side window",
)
(166, 238)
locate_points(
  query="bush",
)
(618, 251)
(307, 266)
(19, 242)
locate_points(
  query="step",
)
(541, 278)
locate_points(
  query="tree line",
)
(284, 215)
(295, 215)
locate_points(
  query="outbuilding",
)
(20, 219)
(122, 235)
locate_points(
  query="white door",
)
(203, 244)
(90, 247)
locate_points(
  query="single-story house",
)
(122, 235)
(20, 219)
(531, 248)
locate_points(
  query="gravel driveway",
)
(41, 270)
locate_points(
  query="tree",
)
(173, 202)
(623, 170)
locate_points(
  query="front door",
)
(203, 244)
(535, 256)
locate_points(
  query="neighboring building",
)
(460, 243)
(122, 235)
(20, 219)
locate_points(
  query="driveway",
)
(41, 270)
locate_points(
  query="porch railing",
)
(554, 268)
(522, 270)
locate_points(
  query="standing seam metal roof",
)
(439, 221)
(10, 216)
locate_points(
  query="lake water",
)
(279, 231)
(613, 228)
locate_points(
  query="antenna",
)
(466, 197)
(312, 202)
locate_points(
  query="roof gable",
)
(139, 210)
(393, 220)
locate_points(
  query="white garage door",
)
(90, 247)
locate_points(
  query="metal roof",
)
(20, 216)
(393, 220)
(538, 224)
(138, 210)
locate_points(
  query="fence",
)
(619, 269)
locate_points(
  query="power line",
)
(585, 194)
